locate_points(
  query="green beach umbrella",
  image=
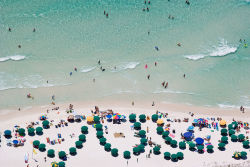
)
(78, 144)
(156, 150)
(61, 154)
(103, 141)
(154, 117)
(241, 137)
(182, 145)
(165, 134)
(132, 117)
(99, 134)
(114, 152)
(98, 127)
(168, 140)
(180, 155)
(51, 153)
(137, 125)
(224, 139)
(84, 129)
(136, 150)
(36, 143)
(174, 157)
(142, 133)
(210, 148)
(39, 130)
(61, 164)
(234, 138)
(7, 133)
(167, 155)
(42, 147)
(72, 151)
(96, 119)
(223, 132)
(173, 143)
(221, 146)
(46, 124)
(141, 147)
(243, 155)
(200, 148)
(231, 132)
(144, 141)
(126, 155)
(246, 144)
(159, 130)
(142, 118)
(21, 132)
(230, 126)
(82, 138)
(107, 147)
(31, 131)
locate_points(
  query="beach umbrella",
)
(39, 130)
(107, 146)
(201, 121)
(174, 157)
(54, 164)
(132, 117)
(222, 122)
(234, 138)
(109, 116)
(36, 143)
(7, 133)
(43, 117)
(199, 140)
(45, 124)
(72, 151)
(141, 147)
(190, 128)
(236, 155)
(51, 153)
(82, 138)
(168, 139)
(243, 155)
(165, 134)
(98, 127)
(173, 143)
(210, 148)
(142, 118)
(167, 155)
(61, 164)
(84, 129)
(159, 130)
(143, 141)
(180, 155)
(137, 125)
(90, 119)
(154, 117)
(223, 132)
(31, 131)
(230, 126)
(235, 124)
(221, 146)
(246, 144)
(126, 154)
(142, 133)
(136, 150)
(96, 119)
(103, 141)
(160, 122)
(78, 144)
(188, 136)
(15, 141)
(21, 132)
(182, 145)
(200, 148)
(231, 132)
(114, 152)
(116, 116)
(191, 145)
(241, 137)
(42, 147)
(61, 154)
(156, 150)
(195, 121)
(99, 134)
(123, 117)
(224, 139)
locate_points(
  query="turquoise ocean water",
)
(76, 33)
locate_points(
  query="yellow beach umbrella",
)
(54, 164)
(90, 119)
(159, 121)
(223, 122)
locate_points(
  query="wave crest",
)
(13, 58)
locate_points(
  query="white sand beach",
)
(93, 154)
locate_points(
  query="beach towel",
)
(172, 135)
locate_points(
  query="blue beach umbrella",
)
(187, 135)
(15, 141)
(190, 128)
(109, 116)
(199, 140)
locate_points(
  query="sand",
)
(93, 154)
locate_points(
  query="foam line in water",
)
(126, 66)
(87, 69)
(13, 58)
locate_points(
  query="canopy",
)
(190, 128)
(223, 122)
(199, 140)
(187, 135)
(159, 121)
(90, 119)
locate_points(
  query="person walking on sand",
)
(137, 160)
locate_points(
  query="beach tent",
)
(199, 140)
(223, 123)
(160, 122)
(188, 136)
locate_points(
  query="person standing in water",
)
(184, 76)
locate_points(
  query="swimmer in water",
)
(147, 9)
(70, 73)
(19, 46)
(163, 83)
(149, 2)
(75, 69)
(9, 29)
(184, 76)
(166, 85)
(34, 30)
(99, 62)
(107, 15)
(148, 32)
(104, 12)
(156, 47)
(155, 63)
(187, 2)
(179, 44)
(148, 77)
(143, 9)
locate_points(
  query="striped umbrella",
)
(116, 116)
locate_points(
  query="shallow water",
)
(76, 34)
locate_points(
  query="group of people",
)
(144, 9)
